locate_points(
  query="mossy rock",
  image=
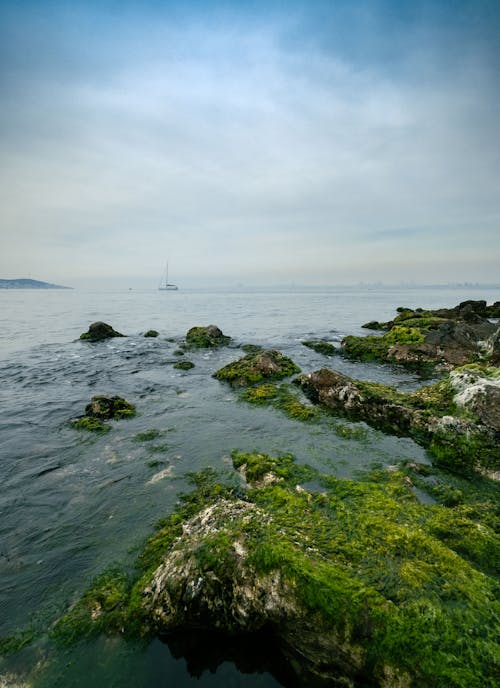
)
(98, 331)
(321, 347)
(360, 581)
(253, 368)
(455, 435)
(105, 407)
(151, 333)
(184, 365)
(251, 348)
(206, 337)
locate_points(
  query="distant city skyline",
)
(255, 143)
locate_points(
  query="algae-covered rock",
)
(206, 337)
(107, 407)
(98, 331)
(100, 409)
(424, 340)
(184, 365)
(321, 347)
(358, 582)
(457, 419)
(151, 333)
(255, 367)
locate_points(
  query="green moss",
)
(402, 334)
(321, 347)
(280, 397)
(179, 352)
(123, 409)
(151, 333)
(261, 394)
(368, 348)
(184, 365)
(90, 424)
(102, 609)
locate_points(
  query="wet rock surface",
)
(98, 331)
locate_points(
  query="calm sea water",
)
(72, 503)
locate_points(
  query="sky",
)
(307, 142)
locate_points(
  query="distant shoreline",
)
(28, 284)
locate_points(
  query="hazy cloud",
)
(289, 141)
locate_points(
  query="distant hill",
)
(28, 284)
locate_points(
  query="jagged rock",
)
(98, 331)
(424, 340)
(206, 337)
(457, 419)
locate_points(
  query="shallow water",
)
(73, 503)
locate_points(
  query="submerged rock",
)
(100, 409)
(184, 365)
(151, 333)
(106, 407)
(457, 419)
(98, 331)
(345, 578)
(254, 367)
(206, 337)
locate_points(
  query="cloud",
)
(295, 141)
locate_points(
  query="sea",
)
(73, 503)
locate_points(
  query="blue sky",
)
(257, 142)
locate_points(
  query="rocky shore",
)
(358, 583)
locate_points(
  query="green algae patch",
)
(10, 645)
(151, 333)
(255, 367)
(102, 609)
(206, 337)
(90, 424)
(321, 347)
(147, 435)
(370, 348)
(280, 397)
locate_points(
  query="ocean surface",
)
(73, 503)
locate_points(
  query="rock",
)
(252, 368)
(456, 419)
(343, 577)
(492, 348)
(478, 391)
(206, 337)
(321, 347)
(98, 331)
(427, 340)
(151, 333)
(183, 365)
(106, 407)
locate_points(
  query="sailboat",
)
(165, 284)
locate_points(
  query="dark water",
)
(73, 503)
